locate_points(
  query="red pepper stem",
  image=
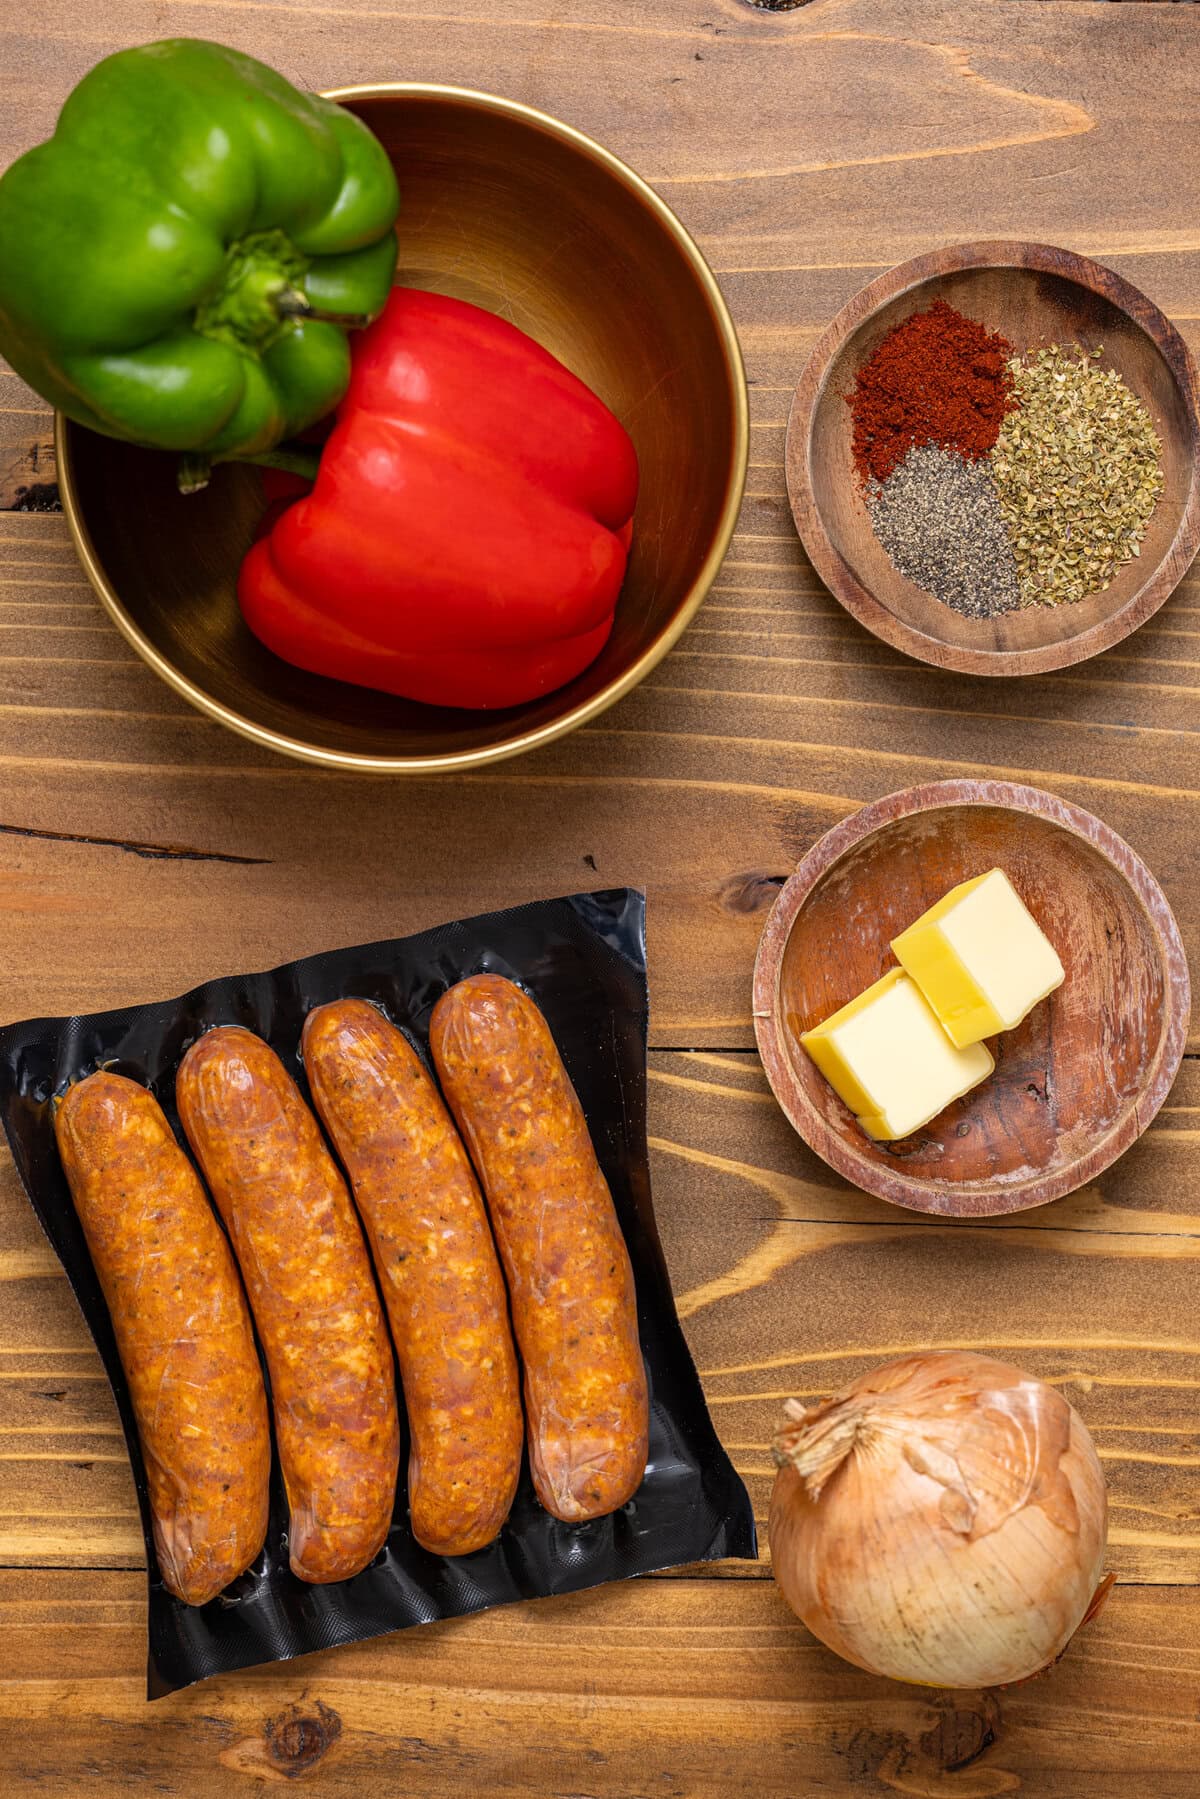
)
(290, 303)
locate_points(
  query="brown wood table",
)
(145, 849)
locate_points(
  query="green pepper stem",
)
(194, 471)
(290, 303)
(292, 462)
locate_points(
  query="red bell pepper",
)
(466, 538)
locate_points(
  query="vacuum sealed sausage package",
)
(390, 1171)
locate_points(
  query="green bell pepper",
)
(179, 262)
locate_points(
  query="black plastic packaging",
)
(583, 960)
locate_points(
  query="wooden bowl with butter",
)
(1074, 1084)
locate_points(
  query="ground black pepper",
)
(939, 519)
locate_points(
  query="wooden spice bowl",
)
(1034, 295)
(1075, 1084)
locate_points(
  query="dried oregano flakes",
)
(1076, 466)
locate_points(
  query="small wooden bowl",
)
(1074, 1085)
(1035, 295)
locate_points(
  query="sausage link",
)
(569, 1275)
(182, 1328)
(309, 1281)
(436, 1261)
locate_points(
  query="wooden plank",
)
(27, 463)
(807, 149)
(776, 714)
(774, 718)
(649, 1690)
(789, 1283)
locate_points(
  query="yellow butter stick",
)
(979, 958)
(886, 1056)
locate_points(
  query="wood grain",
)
(145, 849)
(775, 718)
(682, 1692)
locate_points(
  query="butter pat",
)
(887, 1057)
(979, 958)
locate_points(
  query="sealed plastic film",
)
(582, 959)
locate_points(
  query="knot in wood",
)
(750, 892)
(298, 1738)
(962, 1732)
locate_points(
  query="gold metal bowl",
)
(511, 209)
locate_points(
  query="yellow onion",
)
(941, 1520)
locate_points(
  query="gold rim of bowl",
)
(616, 689)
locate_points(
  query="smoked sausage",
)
(569, 1277)
(182, 1328)
(433, 1250)
(308, 1278)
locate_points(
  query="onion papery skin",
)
(949, 1528)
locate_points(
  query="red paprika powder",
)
(937, 377)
